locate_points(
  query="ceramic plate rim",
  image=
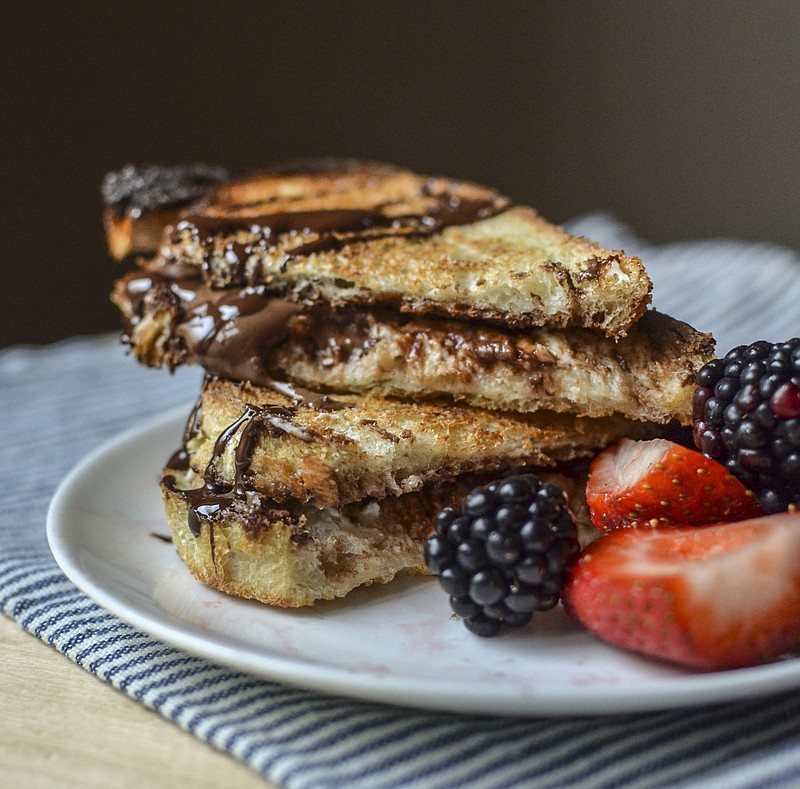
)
(684, 690)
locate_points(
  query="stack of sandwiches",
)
(375, 344)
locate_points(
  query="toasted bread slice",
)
(239, 334)
(359, 446)
(295, 555)
(374, 234)
(648, 375)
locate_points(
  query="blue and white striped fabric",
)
(61, 401)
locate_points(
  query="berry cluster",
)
(504, 553)
(660, 578)
(747, 416)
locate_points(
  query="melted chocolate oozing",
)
(214, 497)
(180, 459)
(230, 332)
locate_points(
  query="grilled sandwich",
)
(364, 234)
(376, 343)
(250, 334)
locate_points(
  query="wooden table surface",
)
(62, 727)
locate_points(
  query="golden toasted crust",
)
(292, 560)
(376, 447)
(425, 247)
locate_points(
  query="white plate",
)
(395, 643)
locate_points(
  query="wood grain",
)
(60, 726)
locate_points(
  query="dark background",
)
(682, 118)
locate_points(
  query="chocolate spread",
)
(229, 332)
(215, 497)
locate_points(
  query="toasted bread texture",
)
(373, 446)
(297, 555)
(367, 233)
(648, 375)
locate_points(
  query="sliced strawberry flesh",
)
(719, 597)
(648, 483)
(633, 461)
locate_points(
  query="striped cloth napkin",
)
(61, 401)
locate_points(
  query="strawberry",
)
(721, 597)
(650, 483)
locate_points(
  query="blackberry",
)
(503, 554)
(747, 416)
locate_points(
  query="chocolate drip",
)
(180, 459)
(221, 444)
(271, 225)
(192, 427)
(334, 228)
(230, 332)
(214, 498)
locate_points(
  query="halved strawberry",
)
(724, 596)
(650, 483)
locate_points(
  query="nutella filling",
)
(230, 332)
